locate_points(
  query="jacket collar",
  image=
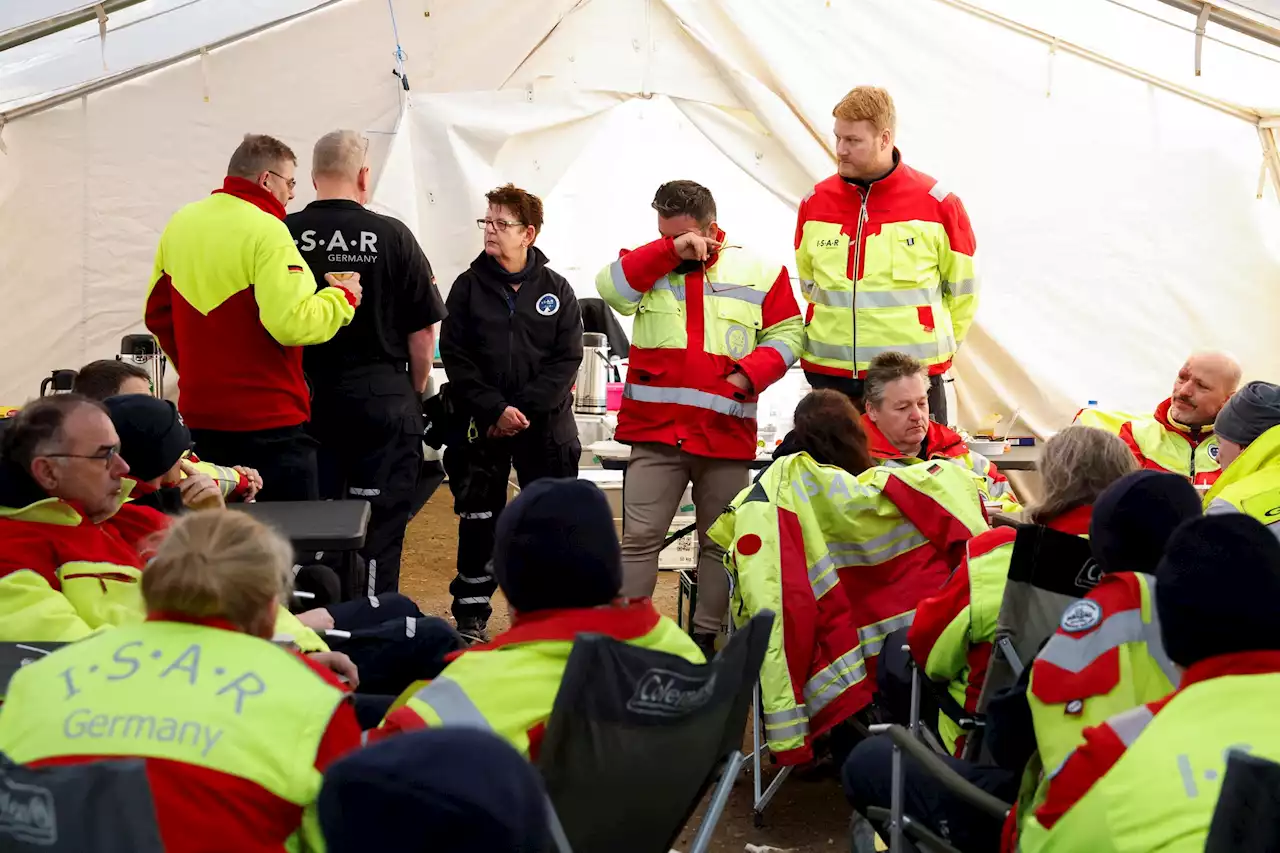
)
(206, 621)
(254, 194)
(1263, 453)
(624, 619)
(1236, 663)
(890, 178)
(939, 441)
(22, 499)
(1193, 434)
(1073, 521)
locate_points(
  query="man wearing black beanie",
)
(557, 560)
(1149, 778)
(1107, 654)
(1249, 430)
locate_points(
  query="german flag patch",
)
(294, 268)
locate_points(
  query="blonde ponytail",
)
(220, 564)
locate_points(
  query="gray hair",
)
(339, 154)
(1076, 466)
(885, 368)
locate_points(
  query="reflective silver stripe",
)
(475, 516)
(1075, 653)
(410, 626)
(1155, 643)
(451, 704)
(932, 349)
(784, 349)
(800, 729)
(818, 296)
(689, 397)
(872, 636)
(475, 599)
(480, 579)
(1220, 507)
(1130, 724)
(372, 580)
(1274, 527)
(898, 541)
(964, 287)
(833, 351)
(939, 192)
(741, 292)
(777, 718)
(998, 488)
(897, 298)
(782, 725)
(828, 683)
(619, 278)
(676, 289)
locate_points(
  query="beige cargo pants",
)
(656, 477)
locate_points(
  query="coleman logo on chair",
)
(668, 694)
(26, 813)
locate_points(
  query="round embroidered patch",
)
(548, 304)
(749, 544)
(1081, 616)
(735, 341)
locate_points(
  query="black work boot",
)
(473, 630)
(706, 642)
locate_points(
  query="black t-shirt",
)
(400, 295)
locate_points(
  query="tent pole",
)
(39, 29)
(1228, 19)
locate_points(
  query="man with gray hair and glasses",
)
(367, 382)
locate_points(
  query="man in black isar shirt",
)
(367, 382)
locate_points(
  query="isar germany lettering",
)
(1212, 775)
(338, 242)
(839, 486)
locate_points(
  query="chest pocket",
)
(913, 254)
(660, 322)
(733, 323)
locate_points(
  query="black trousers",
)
(868, 781)
(478, 471)
(285, 457)
(391, 642)
(368, 421)
(853, 389)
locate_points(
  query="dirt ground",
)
(805, 815)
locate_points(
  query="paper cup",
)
(342, 276)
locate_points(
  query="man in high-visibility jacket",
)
(232, 303)
(843, 561)
(900, 431)
(1179, 437)
(1249, 429)
(714, 326)
(885, 258)
(557, 561)
(1149, 778)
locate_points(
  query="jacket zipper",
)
(853, 277)
(511, 329)
(1195, 434)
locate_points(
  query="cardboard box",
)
(682, 553)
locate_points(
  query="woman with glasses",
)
(511, 347)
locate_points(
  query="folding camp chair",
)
(636, 738)
(1247, 816)
(1048, 570)
(14, 656)
(98, 807)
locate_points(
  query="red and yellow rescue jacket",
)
(942, 442)
(1160, 443)
(232, 303)
(735, 312)
(953, 631)
(885, 268)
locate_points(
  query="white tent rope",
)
(1192, 30)
(395, 31)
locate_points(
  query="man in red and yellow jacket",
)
(232, 303)
(1149, 777)
(714, 327)
(1179, 437)
(885, 258)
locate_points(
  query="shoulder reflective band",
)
(1130, 724)
(964, 287)
(452, 705)
(1075, 653)
(676, 289)
(620, 284)
(728, 290)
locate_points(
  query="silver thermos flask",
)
(590, 395)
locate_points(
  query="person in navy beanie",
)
(438, 791)
(1134, 518)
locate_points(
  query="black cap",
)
(444, 790)
(1217, 588)
(152, 436)
(555, 547)
(1134, 517)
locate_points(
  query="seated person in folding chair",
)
(953, 631)
(558, 562)
(1149, 778)
(828, 428)
(455, 789)
(105, 378)
(392, 644)
(1131, 521)
(234, 730)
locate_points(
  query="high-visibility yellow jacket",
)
(509, 685)
(692, 330)
(235, 732)
(942, 442)
(232, 303)
(1251, 484)
(1149, 778)
(843, 561)
(888, 267)
(1160, 443)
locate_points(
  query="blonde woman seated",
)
(235, 731)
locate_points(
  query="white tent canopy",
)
(1121, 206)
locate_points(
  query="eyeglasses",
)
(498, 224)
(292, 182)
(106, 456)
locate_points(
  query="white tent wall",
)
(1117, 222)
